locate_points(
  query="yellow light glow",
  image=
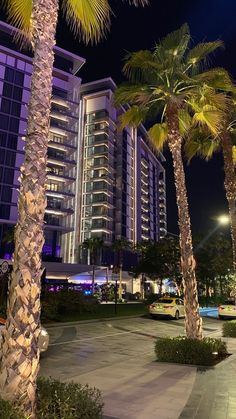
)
(223, 219)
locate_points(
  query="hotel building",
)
(122, 182)
(15, 74)
(101, 181)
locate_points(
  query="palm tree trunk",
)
(19, 352)
(193, 322)
(230, 188)
(93, 279)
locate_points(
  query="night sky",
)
(137, 28)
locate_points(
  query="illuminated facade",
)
(15, 75)
(122, 181)
(101, 181)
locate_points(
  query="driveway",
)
(117, 356)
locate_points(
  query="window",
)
(7, 90)
(10, 158)
(14, 125)
(2, 156)
(4, 122)
(19, 78)
(3, 139)
(8, 175)
(15, 108)
(6, 194)
(17, 93)
(5, 211)
(9, 74)
(12, 141)
(59, 92)
(6, 106)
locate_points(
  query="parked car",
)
(168, 307)
(227, 310)
(43, 337)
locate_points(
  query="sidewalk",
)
(214, 392)
(142, 389)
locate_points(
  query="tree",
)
(170, 80)
(161, 260)
(141, 248)
(213, 264)
(37, 19)
(119, 246)
(93, 245)
(200, 142)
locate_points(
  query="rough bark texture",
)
(193, 322)
(20, 354)
(230, 188)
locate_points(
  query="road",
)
(83, 347)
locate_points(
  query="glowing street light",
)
(223, 219)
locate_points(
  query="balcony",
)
(59, 157)
(58, 190)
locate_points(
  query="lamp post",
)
(115, 271)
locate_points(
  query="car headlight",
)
(44, 332)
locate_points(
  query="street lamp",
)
(223, 219)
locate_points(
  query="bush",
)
(190, 351)
(7, 411)
(67, 302)
(151, 298)
(56, 400)
(229, 329)
(213, 301)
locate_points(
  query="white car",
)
(227, 310)
(167, 306)
(43, 337)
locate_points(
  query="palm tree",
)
(142, 247)
(119, 246)
(37, 19)
(170, 80)
(93, 245)
(201, 143)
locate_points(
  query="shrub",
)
(66, 301)
(151, 298)
(7, 411)
(229, 329)
(190, 351)
(56, 400)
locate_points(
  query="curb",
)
(59, 324)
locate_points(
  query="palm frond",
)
(138, 65)
(201, 51)
(90, 19)
(175, 43)
(139, 2)
(217, 78)
(185, 121)
(234, 154)
(211, 117)
(158, 134)
(201, 144)
(19, 14)
(133, 117)
(133, 93)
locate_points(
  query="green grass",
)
(106, 310)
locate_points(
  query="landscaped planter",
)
(56, 400)
(181, 350)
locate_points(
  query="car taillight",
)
(167, 306)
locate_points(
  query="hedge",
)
(57, 400)
(183, 350)
(229, 329)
